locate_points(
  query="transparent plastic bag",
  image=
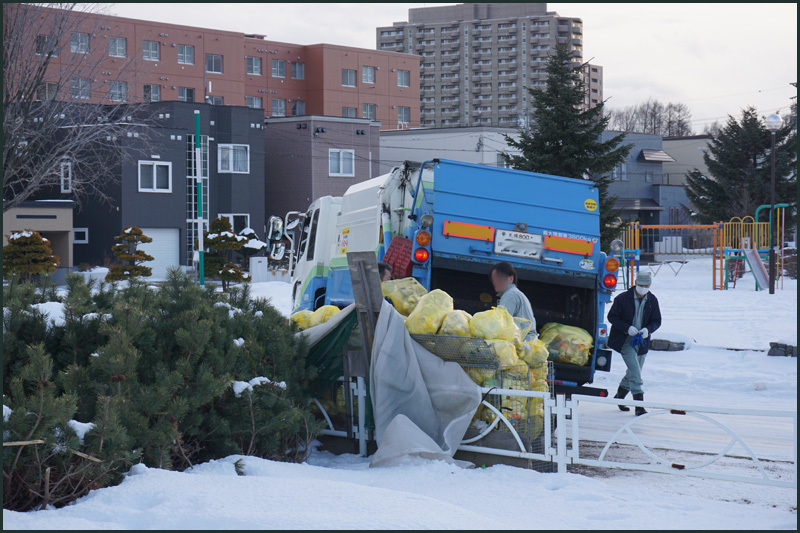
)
(522, 327)
(533, 352)
(429, 313)
(404, 293)
(301, 319)
(322, 315)
(566, 344)
(495, 323)
(456, 323)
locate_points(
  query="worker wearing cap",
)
(634, 316)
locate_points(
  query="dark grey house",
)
(639, 183)
(157, 186)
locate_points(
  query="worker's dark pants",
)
(633, 376)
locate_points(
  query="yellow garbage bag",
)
(538, 371)
(566, 344)
(301, 319)
(536, 424)
(533, 352)
(522, 327)
(456, 323)
(480, 375)
(504, 353)
(427, 316)
(404, 293)
(539, 385)
(322, 315)
(495, 323)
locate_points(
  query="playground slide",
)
(758, 268)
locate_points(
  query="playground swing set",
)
(732, 245)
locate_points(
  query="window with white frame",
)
(341, 162)
(348, 78)
(256, 102)
(216, 100)
(65, 173)
(80, 235)
(117, 46)
(367, 74)
(253, 65)
(403, 78)
(233, 158)
(80, 88)
(368, 111)
(79, 43)
(239, 221)
(298, 108)
(185, 94)
(278, 68)
(117, 91)
(278, 107)
(298, 70)
(214, 63)
(349, 112)
(46, 44)
(152, 93)
(151, 51)
(186, 54)
(403, 114)
(47, 91)
(155, 176)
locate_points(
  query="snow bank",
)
(53, 310)
(278, 293)
(240, 386)
(6, 412)
(81, 428)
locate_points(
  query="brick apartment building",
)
(138, 60)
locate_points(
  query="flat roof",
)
(322, 118)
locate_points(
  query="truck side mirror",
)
(277, 251)
(275, 228)
(293, 224)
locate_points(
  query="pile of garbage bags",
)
(308, 319)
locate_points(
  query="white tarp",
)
(422, 405)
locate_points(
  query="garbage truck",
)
(446, 223)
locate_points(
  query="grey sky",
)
(717, 58)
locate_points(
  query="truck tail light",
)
(421, 255)
(609, 281)
(423, 238)
(612, 265)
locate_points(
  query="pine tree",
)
(221, 244)
(565, 139)
(738, 162)
(28, 254)
(126, 250)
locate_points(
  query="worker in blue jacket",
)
(634, 317)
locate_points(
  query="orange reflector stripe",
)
(570, 246)
(468, 231)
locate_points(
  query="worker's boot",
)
(621, 393)
(639, 397)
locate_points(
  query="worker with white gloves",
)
(634, 317)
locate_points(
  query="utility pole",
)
(198, 159)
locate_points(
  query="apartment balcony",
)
(577, 41)
(562, 40)
(507, 77)
(451, 45)
(577, 29)
(563, 27)
(450, 112)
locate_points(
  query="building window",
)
(298, 108)
(348, 78)
(46, 44)
(253, 65)
(185, 94)
(349, 112)
(256, 102)
(278, 107)
(151, 50)
(341, 162)
(298, 70)
(186, 54)
(368, 111)
(118, 91)
(403, 78)
(367, 74)
(117, 46)
(278, 68)
(155, 176)
(152, 93)
(216, 100)
(404, 114)
(79, 43)
(620, 172)
(81, 88)
(65, 173)
(648, 177)
(233, 158)
(238, 221)
(47, 91)
(80, 235)
(214, 63)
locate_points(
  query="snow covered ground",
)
(342, 492)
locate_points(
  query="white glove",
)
(644, 333)
(632, 331)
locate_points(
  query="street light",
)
(773, 122)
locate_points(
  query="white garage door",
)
(165, 250)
